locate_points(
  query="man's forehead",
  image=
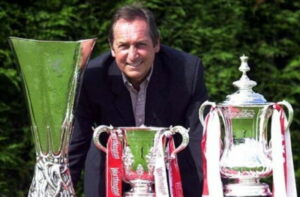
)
(136, 30)
(123, 23)
(130, 20)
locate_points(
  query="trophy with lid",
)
(255, 144)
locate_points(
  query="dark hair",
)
(130, 13)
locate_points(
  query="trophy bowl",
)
(141, 155)
(246, 150)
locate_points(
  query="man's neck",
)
(136, 83)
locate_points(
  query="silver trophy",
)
(246, 154)
(51, 72)
(142, 157)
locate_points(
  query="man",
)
(138, 82)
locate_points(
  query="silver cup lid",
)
(244, 95)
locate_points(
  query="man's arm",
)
(192, 121)
(198, 97)
(81, 137)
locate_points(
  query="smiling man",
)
(138, 82)
(133, 49)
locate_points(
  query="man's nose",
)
(132, 53)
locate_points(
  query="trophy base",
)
(51, 177)
(132, 194)
(250, 190)
(140, 188)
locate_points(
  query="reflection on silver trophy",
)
(51, 72)
(136, 155)
(255, 143)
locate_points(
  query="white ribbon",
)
(212, 132)
(160, 174)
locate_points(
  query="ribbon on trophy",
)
(211, 151)
(114, 166)
(174, 172)
(160, 174)
(284, 184)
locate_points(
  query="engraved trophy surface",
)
(142, 157)
(51, 73)
(246, 150)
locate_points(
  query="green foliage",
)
(219, 31)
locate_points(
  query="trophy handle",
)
(96, 136)
(201, 110)
(185, 139)
(263, 122)
(290, 112)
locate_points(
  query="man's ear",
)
(157, 47)
(112, 51)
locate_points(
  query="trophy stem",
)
(247, 188)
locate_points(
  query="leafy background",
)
(219, 31)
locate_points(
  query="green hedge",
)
(219, 31)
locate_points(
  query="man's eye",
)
(141, 44)
(122, 46)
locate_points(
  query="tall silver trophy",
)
(254, 144)
(51, 72)
(139, 156)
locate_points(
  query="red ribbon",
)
(284, 184)
(204, 162)
(114, 166)
(282, 124)
(174, 172)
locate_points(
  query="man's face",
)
(133, 49)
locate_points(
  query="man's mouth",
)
(135, 63)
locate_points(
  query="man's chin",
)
(134, 76)
(131, 70)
